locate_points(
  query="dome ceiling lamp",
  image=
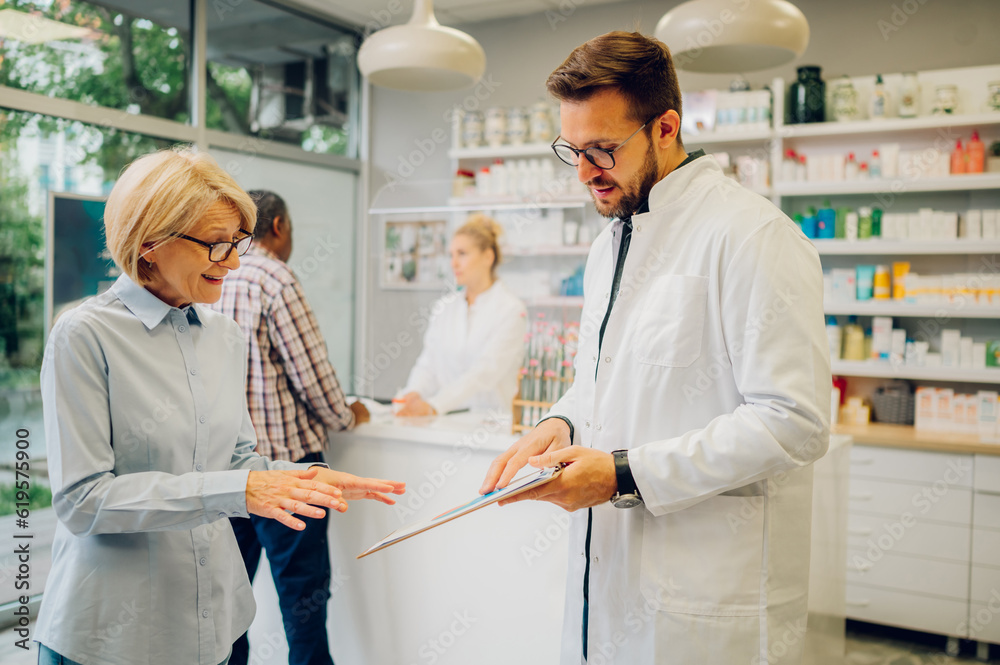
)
(422, 55)
(720, 36)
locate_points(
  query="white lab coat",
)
(715, 374)
(472, 355)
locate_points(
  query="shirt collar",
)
(149, 309)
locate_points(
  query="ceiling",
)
(448, 12)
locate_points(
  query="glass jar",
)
(495, 128)
(909, 96)
(540, 127)
(806, 97)
(472, 129)
(845, 100)
(945, 100)
(517, 126)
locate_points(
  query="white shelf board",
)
(880, 247)
(489, 152)
(554, 301)
(883, 370)
(888, 125)
(516, 203)
(902, 309)
(548, 250)
(955, 183)
(717, 138)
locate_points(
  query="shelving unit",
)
(884, 370)
(879, 247)
(902, 309)
(894, 186)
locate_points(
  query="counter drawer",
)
(986, 547)
(922, 501)
(870, 533)
(911, 465)
(988, 473)
(907, 610)
(984, 621)
(986, 586)
(909, 574)
(986, 511)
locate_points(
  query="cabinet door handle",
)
(862, 496)
(860, 531)
(859, 603)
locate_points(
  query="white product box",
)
(951, 347)
(844, 285)
(972, 414)
(965, 353)
(989, 225)
(958, 408)
(897, 348)
(973, 224)
(881, 337)
(987, 414)
(932, 360)
(922, 352)
(979, 355)
(923, 418)
(944, 412)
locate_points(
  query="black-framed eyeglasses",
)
(220, 251)
(602, 158)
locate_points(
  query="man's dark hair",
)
(269, 206)
(638, 67)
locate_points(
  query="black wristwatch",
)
(627, 495)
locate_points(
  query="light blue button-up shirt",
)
(149, 448)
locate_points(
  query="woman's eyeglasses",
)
(220, 251)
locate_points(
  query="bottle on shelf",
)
(863, 171)
(800, 169)
(788, 166)
(909, 96)
(833, 336)
(958, 158)
(875, 165)
(864, 223)
(807, 97)
(498, 179)
(850, 168)
(879, 101)
(826, 221)
(975, 153)
(854, 340)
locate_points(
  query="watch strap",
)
(623, 473)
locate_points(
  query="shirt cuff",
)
(224, 493)
(565, 420)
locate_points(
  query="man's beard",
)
(633, 192)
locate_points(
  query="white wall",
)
(855, 37)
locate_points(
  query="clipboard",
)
(515, 487)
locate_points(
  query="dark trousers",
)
(300, 567)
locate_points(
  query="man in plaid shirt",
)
(294, 398)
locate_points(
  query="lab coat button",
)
(194, 371)
(204, 613)
(181, 328)
(222, 514)
(598, 428)
(203, 561)
(607, 359)
(202, 419)
(198, 467)
(638, 227)
(587, 423)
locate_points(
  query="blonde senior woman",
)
(150, 446)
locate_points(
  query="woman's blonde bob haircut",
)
(162, 194)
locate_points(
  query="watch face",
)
(626, 501)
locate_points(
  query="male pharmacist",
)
(702, 389)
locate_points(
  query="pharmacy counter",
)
(486, 588)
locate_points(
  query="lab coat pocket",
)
(671, 324)
(706, 559)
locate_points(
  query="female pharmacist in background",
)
(150, 445)
(474, 343)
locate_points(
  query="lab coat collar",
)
(146, 307)
(675, 187)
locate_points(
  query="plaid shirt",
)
(292, 390)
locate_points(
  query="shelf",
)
(888, 125)
(554, 301)
(880, 247)
(717, 138)
(489, 152)
(543, 201)
(883, 370)
(891, 186)
(905, 436)
(548, 250)
(903, 309)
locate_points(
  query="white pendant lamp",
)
(422, 55)
(720, 36)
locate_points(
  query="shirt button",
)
(194, 371)
(638, 228)
(203, 561)
(202, 419)
(596, 560)
(181, 328)
(198, 467)
(587, 423)
(607, 359)
(222, 514)
(204, 613)
(598, 428)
